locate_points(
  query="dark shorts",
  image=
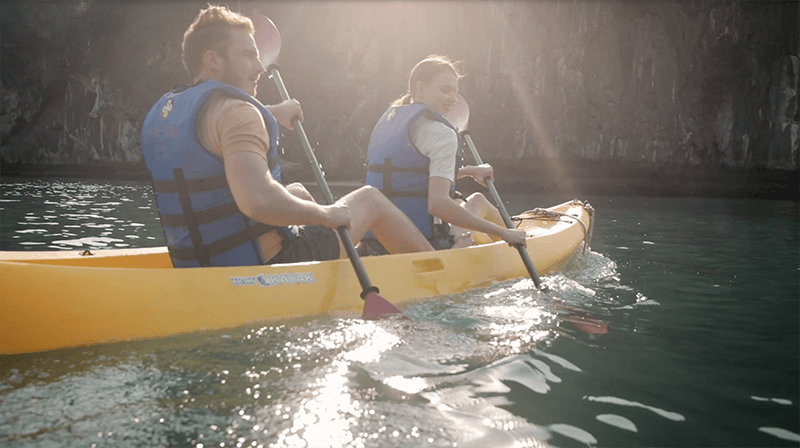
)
(440, 240)
(313, 243)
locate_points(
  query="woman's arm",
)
(479, 173)
(443, 207)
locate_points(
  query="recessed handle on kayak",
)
(427, 266)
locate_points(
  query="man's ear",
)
(213, 60)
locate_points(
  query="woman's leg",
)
(478, 205)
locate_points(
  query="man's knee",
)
(299, 190)
(370, 190)
(372, 195)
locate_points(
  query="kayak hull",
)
(57, 299)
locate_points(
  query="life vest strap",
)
(222, 245)
(383, 167)
(200, 252)
(387, 168)
(191, 185)
(394, 194)
(202, 216)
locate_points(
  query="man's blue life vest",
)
(202, 224)
(397, 168)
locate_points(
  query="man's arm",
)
(264, 199)
(237, 134)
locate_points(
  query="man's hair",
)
(425, 71)
(210, 30)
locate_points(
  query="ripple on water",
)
(781, 433)
(90, 211)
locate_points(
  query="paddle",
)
(268, 40)
(459, 117)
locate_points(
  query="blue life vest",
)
(397, 168)
(202, 224)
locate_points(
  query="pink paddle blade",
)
(376, 308)
(268, 40)
(583, 321)
(588, 326)
(458, 115)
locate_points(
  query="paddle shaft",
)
(506, 219)
(361, 273)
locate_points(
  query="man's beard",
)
(231, 80)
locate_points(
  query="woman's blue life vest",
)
(397, 168)
(202, 224)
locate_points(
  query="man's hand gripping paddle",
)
(458, 116)
(268, 40)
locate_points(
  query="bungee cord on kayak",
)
(551, 215)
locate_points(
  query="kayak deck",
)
(139, 258)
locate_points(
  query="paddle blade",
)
(376, 307)
(588, 326)
(583, 321)
(458, 115)
(268, 40)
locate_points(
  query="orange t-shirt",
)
(232, 125)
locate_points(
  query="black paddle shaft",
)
(504, 213)
(361, 273)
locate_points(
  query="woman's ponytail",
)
(425, 71)
(403, 100)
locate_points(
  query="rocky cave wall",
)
(682, 84)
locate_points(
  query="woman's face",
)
(440, 94)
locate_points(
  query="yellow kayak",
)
(58, 299)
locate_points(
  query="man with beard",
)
(211, 150)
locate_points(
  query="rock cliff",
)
(661, 97)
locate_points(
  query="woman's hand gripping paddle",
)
(459, 117)
(583, 321)
(268, 40)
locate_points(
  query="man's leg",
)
(371, 210)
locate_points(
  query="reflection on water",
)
(73, 214)
(700, 346)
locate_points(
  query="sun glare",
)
(329, 416)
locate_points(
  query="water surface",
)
(703, 348)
